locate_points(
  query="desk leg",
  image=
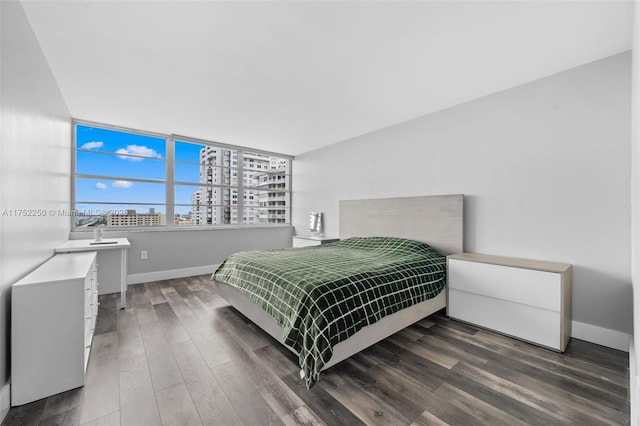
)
(123, 279)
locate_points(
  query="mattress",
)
(322, 295)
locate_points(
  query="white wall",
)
(34, 164)
(544, 168)
(188, 252)
(634, 361)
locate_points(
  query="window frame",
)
(170, 182)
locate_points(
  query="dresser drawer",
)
(88, 332)
(536, 325)
(94, 306)
(529, 287)
(87, 303)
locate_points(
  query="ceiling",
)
(293, 76)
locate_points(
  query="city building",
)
(272, 202)
(263, 190)
(133, 218)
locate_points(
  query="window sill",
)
(89, 231)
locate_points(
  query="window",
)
(126, 179)
(119, 178)
(211, 190)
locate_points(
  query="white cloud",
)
(92, 145)
(101, 185)
(142, 151)
(122, 184)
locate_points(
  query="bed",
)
(391, 224)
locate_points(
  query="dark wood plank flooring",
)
(178, 355)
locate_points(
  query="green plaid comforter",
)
(322, 295)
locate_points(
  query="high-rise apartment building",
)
(273, 203)
(209, 203)
(197, 212)
(262, 176)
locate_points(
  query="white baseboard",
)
(170, 274)
(600, 336)
(5, 400)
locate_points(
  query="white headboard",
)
(436, 220)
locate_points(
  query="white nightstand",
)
(302, 241)
(527, 299)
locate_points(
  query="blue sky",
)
(137, 156)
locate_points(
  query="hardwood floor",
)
(178, 355)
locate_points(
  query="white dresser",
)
(53, 316)
(527, 299)
(302, 241)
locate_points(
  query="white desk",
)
(112, 257)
